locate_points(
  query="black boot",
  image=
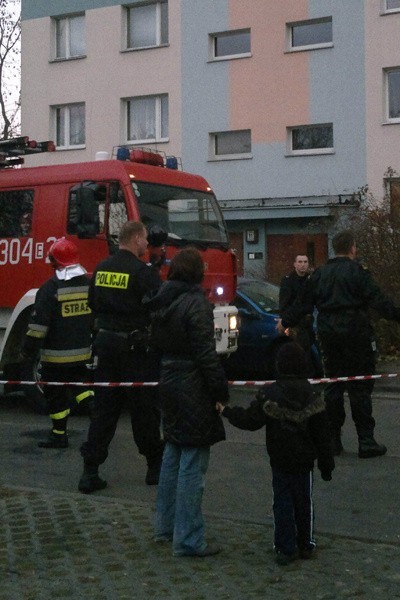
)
(55, 440)
(368, 448)
(337, 447)
(90, 480)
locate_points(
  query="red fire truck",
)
(87, 203)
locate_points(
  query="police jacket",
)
(342, 291)
(60, 324)
(296, 425)
(291, 286)
(116, 291)
(192, 378)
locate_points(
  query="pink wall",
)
(265, 77)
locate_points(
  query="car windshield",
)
(265, 295)
(186, 215)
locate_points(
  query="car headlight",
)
(233, 322)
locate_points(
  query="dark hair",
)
(129, 230)
(291, 360)
(187, 265)
(343, 241)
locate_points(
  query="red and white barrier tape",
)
(155, 383)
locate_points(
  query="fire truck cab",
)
(87, 203)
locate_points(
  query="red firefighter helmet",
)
(63, 253)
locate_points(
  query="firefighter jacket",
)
(116, 291)
(60, 324)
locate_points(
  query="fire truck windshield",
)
(186, 215)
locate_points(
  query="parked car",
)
(258, 342)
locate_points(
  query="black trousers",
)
(61, 398)
(293, 511)
(346, 355)
(119, 364)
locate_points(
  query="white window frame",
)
(158, 119)
(310, 151)
(387, 72)
(67, 19)
(158, 43)
(212, 40)
(67, 126)
(388, 11)
(213, 156)
(289, 30)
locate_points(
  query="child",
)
(296, 434)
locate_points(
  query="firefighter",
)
(60, 330)
(121, 345)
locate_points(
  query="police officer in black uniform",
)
(121, 345)
(343, 291)
(291, 289)
(60, 330)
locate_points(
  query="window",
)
(147, 25)
(391, 6)
(311, 139)
(306, 35)
(147, 119)
(16, 207)
(230, 44)
(231, 144)
(393, 94)
(70, 37)
(70, 125)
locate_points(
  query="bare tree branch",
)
(10, 35)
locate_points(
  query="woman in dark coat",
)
(192, 381)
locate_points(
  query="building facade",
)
(288, 108)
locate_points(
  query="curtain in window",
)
(141, 118)
(142, 26)
(77, 124)
(61, 38)
(77, 36)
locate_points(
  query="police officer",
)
(116, 291)
(343, 291)
(290, 291)
(60, 329)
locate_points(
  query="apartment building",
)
(287, 108)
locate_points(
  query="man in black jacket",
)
(343, 290)
(117, 288)
(291, 288)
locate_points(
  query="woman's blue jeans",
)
(179, 498)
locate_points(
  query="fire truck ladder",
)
(13, 150)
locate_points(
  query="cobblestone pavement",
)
(56, 545)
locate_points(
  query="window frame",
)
(309, 151)
(67, 19)
(388, 118)
(388, 11)
(159, 43)
(67, 125)
(157, 119)
(212, 39)
(306, 47)
(213, 156)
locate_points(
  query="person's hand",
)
(279, 327)
(219, 407)
(326, 475)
